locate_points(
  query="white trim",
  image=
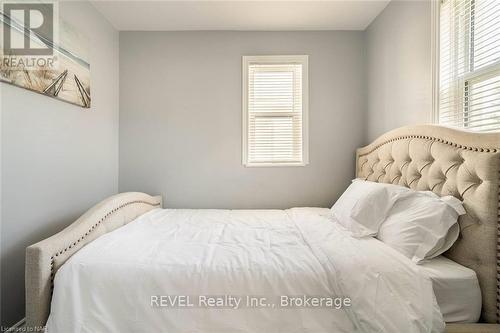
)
(435, 5)
(274, 164)
(244, 109)
(302, 59)
(305, 110)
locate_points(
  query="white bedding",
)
(456, 288)
(107, 285)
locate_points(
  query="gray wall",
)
(57, 159)
(181, 137)
(180, 118)
(398, 62)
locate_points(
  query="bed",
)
(443, 160)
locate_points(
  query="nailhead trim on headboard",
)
(456, 145)
(108, 214)
(425, 137)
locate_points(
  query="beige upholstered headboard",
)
(449, 162)
(44, 258)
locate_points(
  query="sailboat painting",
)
(66, 77)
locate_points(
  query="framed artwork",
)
(50, 60)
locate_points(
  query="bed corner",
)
(44, 258)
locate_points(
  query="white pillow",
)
(444, 245)
(422, 225)
(364, 206)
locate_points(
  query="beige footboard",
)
(44, 258)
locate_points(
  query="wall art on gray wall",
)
(43, 53)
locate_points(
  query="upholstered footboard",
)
(44, 258)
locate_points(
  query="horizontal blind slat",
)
(469, 93)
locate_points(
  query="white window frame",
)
(276, 59)
(435, 59)
(463, 79)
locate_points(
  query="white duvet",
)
(153, 274)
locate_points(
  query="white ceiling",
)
(240, 15)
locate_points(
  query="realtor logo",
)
(28, 28)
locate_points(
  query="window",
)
(275, 99)
(469, 70)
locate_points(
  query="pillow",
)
(444, 245)
(364, 206)
(422, 225)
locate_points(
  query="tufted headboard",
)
(449, 162)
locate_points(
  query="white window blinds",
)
(274, 110)
(469, 75)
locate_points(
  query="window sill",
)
(272, 165)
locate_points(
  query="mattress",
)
(295, 270)
(456, 288)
